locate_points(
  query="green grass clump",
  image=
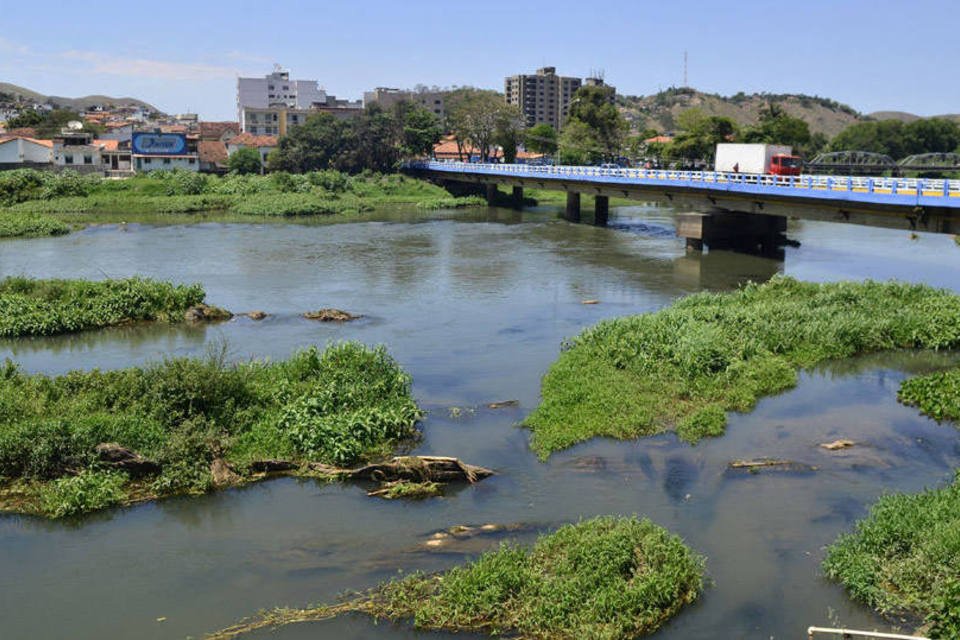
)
(609, 577)
(606, 578)
(31, 307)
(30, 226)
(936, 395)
(683, 367)
(904, 558)
(337, 407)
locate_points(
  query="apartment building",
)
(543, 97)
(432, 101)
(272, 104)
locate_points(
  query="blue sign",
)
(159, 144)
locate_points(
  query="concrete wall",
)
(144, 164)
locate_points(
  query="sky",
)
(875, 55)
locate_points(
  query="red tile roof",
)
(216, 130)
(213, 151)
(250, 140)
(659, 140)
(108, 145)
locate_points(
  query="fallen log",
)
(272, 466)
(420, 469)
(775, 464)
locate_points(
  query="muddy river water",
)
(475, 306)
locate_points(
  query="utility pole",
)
(685, 68)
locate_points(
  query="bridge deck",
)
(902, 193)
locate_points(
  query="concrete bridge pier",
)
(746, 232)
(601, 210)
(491, 194)
(572, 212)
(516, 198)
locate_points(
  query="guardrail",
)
(814, 185)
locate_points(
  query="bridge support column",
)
(746, 232)
(517, 197)
(491, 194)
(601, 210)
(572, 212)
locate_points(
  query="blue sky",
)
(871, 54)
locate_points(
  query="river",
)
(475, 305)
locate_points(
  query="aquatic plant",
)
(936, 395)
(14, 225)
(904, 558)
(284, 194)
(174, 421)
(608, 578)
(30, 307)
(683, 367)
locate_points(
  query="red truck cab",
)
(784, 165)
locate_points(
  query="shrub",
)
(87, 491)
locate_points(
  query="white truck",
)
(774, 159)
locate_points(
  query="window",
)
(87, 159)
(146, 160)
(192, 161)
(286, 88)
(270, 87)
(166, 161)
(68, 159)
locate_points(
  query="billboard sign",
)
(160, 144)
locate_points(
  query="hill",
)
(659, 111)
(22, 94)
(905, 117)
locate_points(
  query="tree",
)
(699, 135)
(480, 119)
(592, 107)
(931, 135)
(884, 136)
(24, 119)
(420, 129)
(244, 161)
(509, 132)
(578, 144)
(776, 126)
(312, 146)
(541, 138)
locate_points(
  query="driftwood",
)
(114, 456)
(408, 468)
(223, 474)
(420, 469)
(770, 463)
(503, 404)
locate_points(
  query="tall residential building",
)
(269, 105)
(432, 101)
(543, 97)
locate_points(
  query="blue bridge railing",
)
(875, 190)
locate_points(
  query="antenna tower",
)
(685, 68)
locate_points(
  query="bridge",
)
(726, 209)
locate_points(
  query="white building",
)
(432, 101)
(19, 151)
(277, 90)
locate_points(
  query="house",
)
(117, 131)
(152, 150)
(213, 156)
(263, 144)
(18, 152)
(75, 150)
(219, 131)
(115, 156)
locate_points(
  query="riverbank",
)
(31, 307)
(607, 577)
(27, 194)
(684, 367)
(88, 440)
